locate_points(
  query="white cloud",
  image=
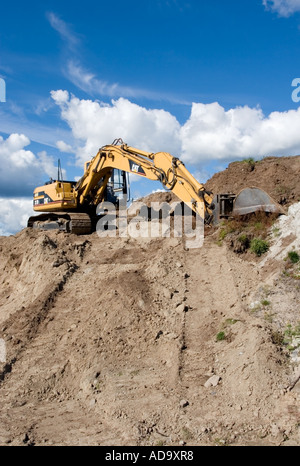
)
(283, 7)
(14, 213)
(96, 124)
(81, 77)
(210, 133)
(60, 97)
(11, 118)
(214, 133)
(63, 29)
(92, 85)
(87, 81)
(21, 169)
(20, 172)
(64, 147)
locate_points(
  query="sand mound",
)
(122, 341)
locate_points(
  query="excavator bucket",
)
(247, 201)
(254, 199)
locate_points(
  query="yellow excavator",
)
(71, 206)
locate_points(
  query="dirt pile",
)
(139, 341)
(117, 342)
(278, 176)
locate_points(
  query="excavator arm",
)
(161, 166)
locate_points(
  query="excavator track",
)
(80, 224)
(76, 223)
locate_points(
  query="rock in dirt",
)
(183, 403)
(213, 381)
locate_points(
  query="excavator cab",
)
(118, 187)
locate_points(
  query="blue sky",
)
(208, 81)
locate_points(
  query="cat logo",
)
(135, 168)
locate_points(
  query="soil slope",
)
(123, 341)
(278, 176)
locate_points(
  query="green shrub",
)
(243, 239)
(276, 231)
(258, 226)
(221, 336)
(294, 257)
(259, 246)
(250, 161)
(291, 336)
(277, 338)
(222, 234)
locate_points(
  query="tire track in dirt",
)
(209, 300)
(23, 326)
(212, 298)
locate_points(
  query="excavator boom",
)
(161, 166)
